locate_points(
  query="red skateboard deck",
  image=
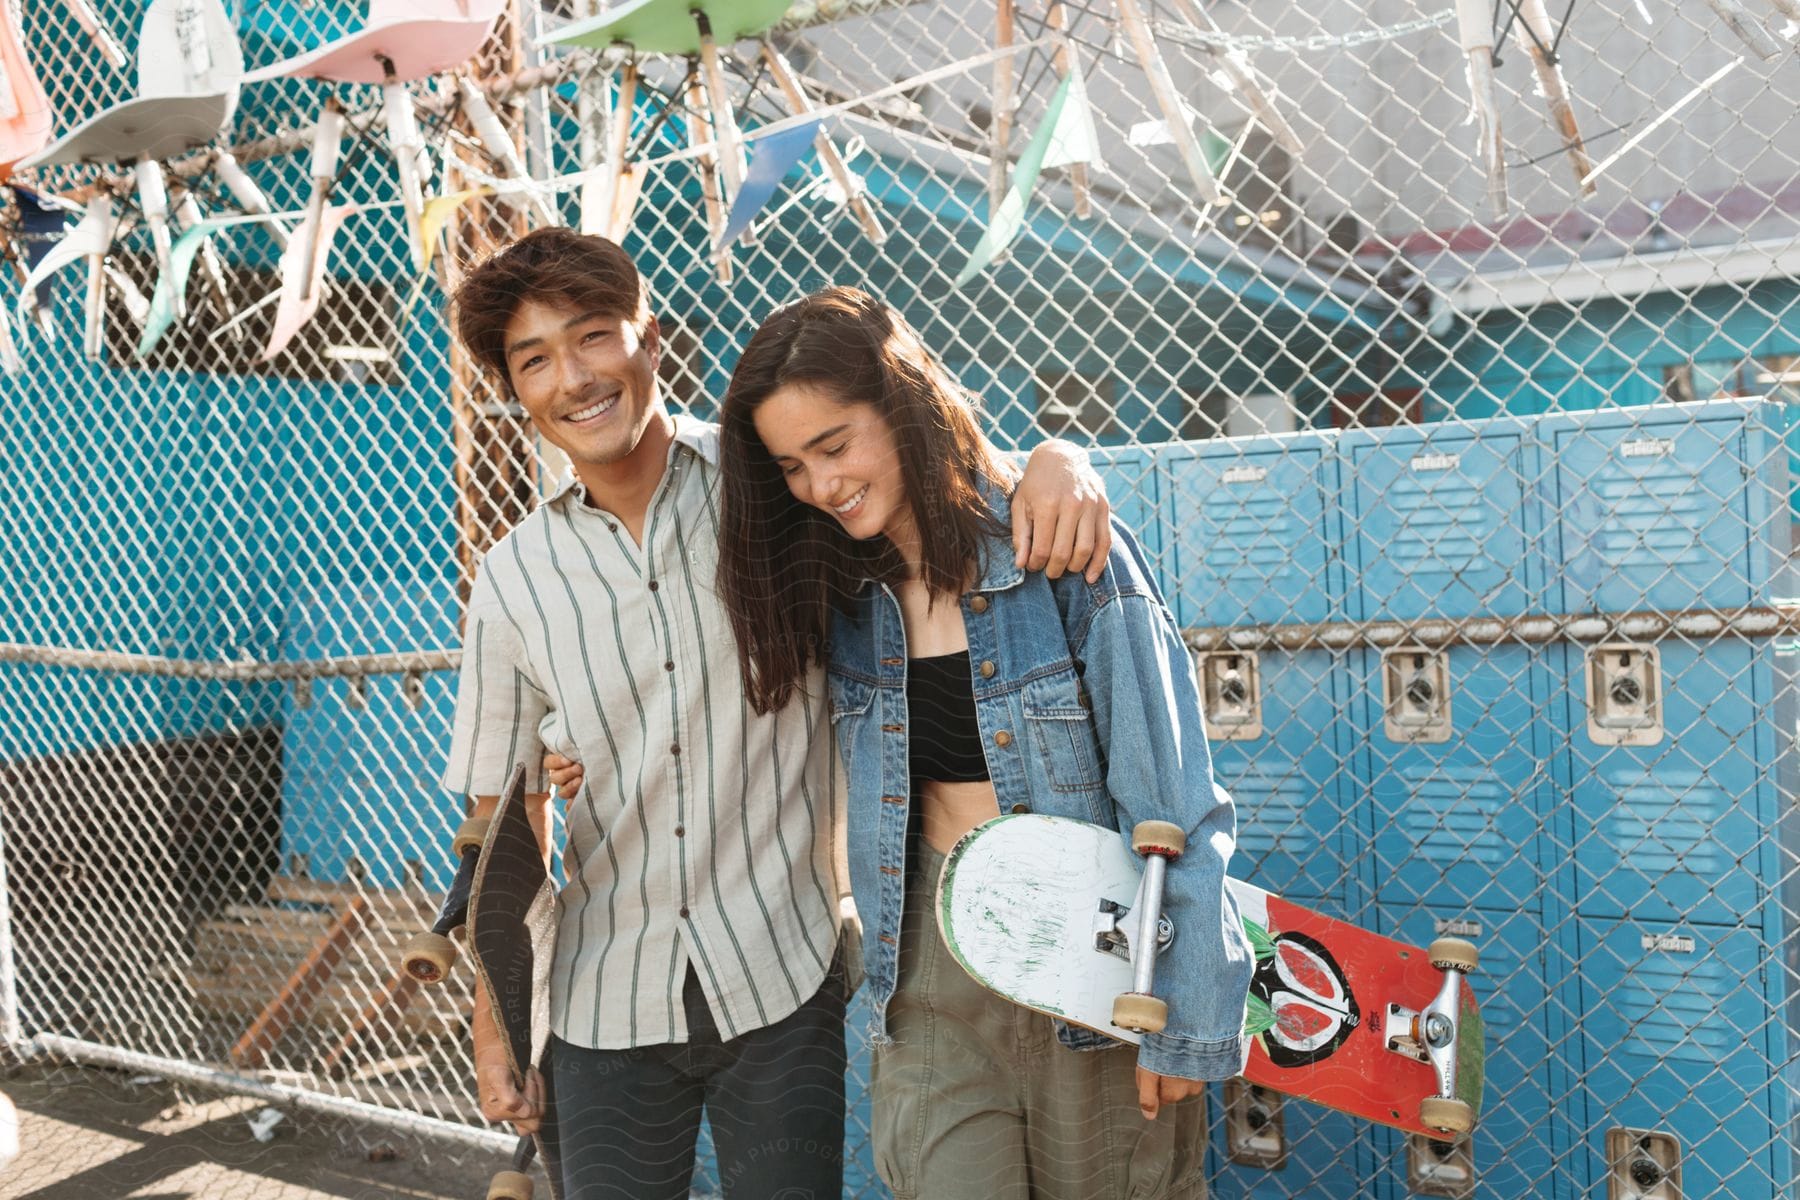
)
(1021, 903)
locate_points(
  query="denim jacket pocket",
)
(1063, 727)
(850, 696)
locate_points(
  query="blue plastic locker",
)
(1329, 1155)
(1680, 1025)
(1519, 1150)
(1442, 522)
(1133, 486)
(1681, 846)
(1247, 536)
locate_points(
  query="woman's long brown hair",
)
(783, 565)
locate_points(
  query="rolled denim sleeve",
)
(1147, 714)
(500, 706)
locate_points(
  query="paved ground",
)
(89, 1134)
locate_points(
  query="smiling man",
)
(697, 963)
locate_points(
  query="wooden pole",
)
(496, 460)
(700, 136)
(1174, 109)
(302, 987)
(799, 105)
(1001, 109)
(1065, 62)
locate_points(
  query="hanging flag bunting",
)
(1074, 139)
(1214, 148)
(1068, 129)
(41, 226)
(432, 218)
(10, 362)
(173, 283)
(91, 236)
(303, 282)
(771, 159)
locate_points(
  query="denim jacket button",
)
(987, 669)
(979, 604)
(1021, 808)
(1003, 739)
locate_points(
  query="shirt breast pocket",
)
(1062, 727)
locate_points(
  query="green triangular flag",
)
(1074, 139)
(173, 283)
(1216, 150)
(1067, 135)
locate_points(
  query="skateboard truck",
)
(1430, 1036)
(1113, 936)
(1138, 1010)
(430, 955)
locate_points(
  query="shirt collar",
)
(698, 437)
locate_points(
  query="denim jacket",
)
(1088, 708)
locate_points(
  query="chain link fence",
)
(1441, 356)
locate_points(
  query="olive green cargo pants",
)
(976, 1098)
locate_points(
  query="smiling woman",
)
(864, 519)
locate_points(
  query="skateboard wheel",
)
(510, 1185)
(469, 836)
(1448, 952)
(1140, 1013)
(1447, 1114)
(429, 957)
(1159, 837)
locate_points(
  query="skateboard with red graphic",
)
(1062, 917)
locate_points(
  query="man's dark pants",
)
(626, 1121)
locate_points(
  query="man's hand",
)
(1155, 1090)
(502, 1101)
(565, 774)
(1060, 514)
(496, 1090)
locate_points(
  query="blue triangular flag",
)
(771, 158)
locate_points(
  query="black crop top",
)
(944, 744)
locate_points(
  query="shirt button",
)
(1003, 738)
(987, 669)
(675, 749)
(684, 912)
(653, 585)
(611, 527)
(669, 666)
(1021, 808)
(681, 831)
(979, 604)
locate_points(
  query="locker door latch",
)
(1644, 1165)
(1255, 1131)
(1415, 694)
(1435, 1168)
(1624, 695)
(1231, 691)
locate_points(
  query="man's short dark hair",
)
(554, 266)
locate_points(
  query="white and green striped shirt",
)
(703, 833)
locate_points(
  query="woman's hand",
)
(565, 774)
(1060, 515)
(1155, 1090)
